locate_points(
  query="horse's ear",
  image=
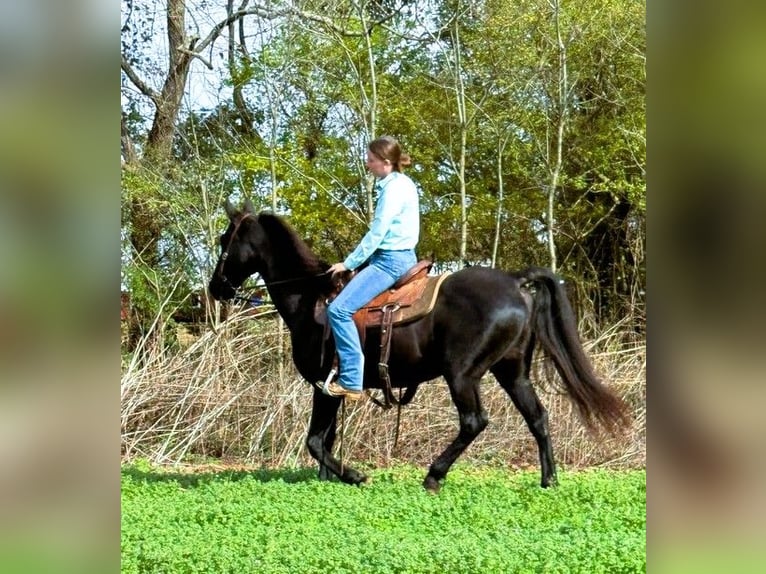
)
(231, 211)
(249, 206)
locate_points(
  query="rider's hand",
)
(337, 268)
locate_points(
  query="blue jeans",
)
(385, 268)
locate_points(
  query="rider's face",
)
(378, 167)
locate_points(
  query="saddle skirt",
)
(411, 298)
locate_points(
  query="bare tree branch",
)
(138, 82)
(271, 14)
(194, 54)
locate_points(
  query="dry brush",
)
(232, 395)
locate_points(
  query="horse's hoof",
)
(431, 485)
(355, 477)
(552, 482)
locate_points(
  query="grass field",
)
(485, 519)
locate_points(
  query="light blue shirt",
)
(396, 224)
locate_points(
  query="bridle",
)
(225, 256)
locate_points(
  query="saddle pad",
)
(415, 299)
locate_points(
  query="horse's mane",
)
(286, 241)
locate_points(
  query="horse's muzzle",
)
(220, 289)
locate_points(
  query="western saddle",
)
(411, 297)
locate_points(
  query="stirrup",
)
(328, 380)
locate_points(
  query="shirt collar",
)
(382, 183)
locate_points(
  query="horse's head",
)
(240, 256)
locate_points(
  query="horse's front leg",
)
(329, 441)
(321, 438)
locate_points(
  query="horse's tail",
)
(555, 328)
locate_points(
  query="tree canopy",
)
(525, 121)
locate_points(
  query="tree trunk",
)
(369, 104)
(245, 115)
(609, 254)
(563, 89)
(500, 193)
(145, 221)
(463, 123)
(159, 145)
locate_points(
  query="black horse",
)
(484, 320)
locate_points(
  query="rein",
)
(295, 279)
(281, 282)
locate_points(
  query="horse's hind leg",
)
(513, 376)
(473, 419)
(321, 437)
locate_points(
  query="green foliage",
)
(484, 520)
(315, 97)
